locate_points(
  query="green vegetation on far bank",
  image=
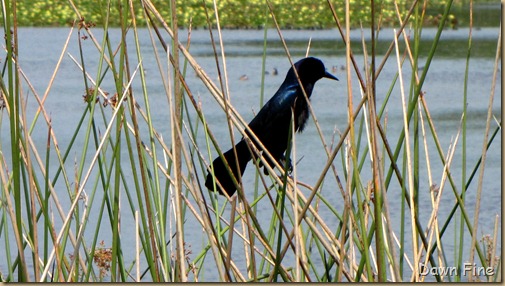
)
(246, 13)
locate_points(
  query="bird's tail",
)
(221, 174)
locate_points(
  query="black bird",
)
(272, 123)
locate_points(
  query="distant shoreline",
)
(255, 15)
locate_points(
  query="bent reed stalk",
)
(128, 171)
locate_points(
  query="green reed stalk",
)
(116, 275)
(153, 201)
(12, 95)
(459, 255)
(377, 185)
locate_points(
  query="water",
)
(41, 47)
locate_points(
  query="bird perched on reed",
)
(271, 125)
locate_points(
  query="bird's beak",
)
(330, 76)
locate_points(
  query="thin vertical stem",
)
(489, 119)
(176, 111)
(13, 105)
(459, 253)
(415, 274)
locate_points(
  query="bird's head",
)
(311, 70)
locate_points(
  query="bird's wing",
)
(279, 106)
